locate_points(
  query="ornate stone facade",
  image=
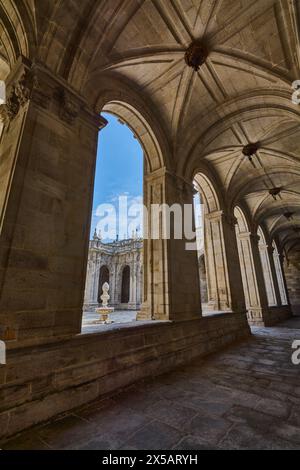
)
(121, 265)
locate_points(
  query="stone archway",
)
(264, 251)
(224, 282)
(125, 286)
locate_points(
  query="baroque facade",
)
(119, 263)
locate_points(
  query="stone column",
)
(113, 276)
(268, 275)
(253, 279)
(271, 253)
(48, 156)
(139, 287)
(286, 291)
(134, 283)
(225, 288)
(132, 296)
(88, 286)
(171, 275)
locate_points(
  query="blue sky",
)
(119, 169)
(119, 173)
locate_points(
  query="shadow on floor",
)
(246, 397)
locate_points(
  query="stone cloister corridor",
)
(245, 397)
(210, 91)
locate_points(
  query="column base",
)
(257, 316)
(144, 314)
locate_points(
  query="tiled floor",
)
(245, 397)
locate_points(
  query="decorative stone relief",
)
(196, 55)
(20, 94)
(70, 109)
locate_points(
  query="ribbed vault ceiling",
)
(241, 94)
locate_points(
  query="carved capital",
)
(10, 109)
(25, 86)
(20, 93)
(221, 216)
(215, 216)
(70, 107)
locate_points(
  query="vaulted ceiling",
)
(241, 94)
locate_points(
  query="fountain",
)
(105, 310)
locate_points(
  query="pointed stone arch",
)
(224, 280)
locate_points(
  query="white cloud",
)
(121, 215)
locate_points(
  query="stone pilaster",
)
(225, 288)
(133, 285)
(271, 254)
(112, 281)
(48, 155)
(253, 278)
(268, 276)
(171, 275)
(281, 259)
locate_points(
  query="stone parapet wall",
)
(40, 382)
(270, 317)
(277, 314)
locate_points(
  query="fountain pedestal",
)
(104, 315)
(105, 310)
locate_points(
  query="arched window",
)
(125, 285)
(103, 277)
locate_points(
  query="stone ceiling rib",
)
(173, 21)
(240, 95)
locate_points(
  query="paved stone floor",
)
(246, 397)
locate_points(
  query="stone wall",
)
(203, 280)
(292, 269)
(40, 382)
(277, 314)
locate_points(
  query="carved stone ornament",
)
(10, 109)
(19, 95)
(24, 87)
(250, 150)
(196, 55)
(69, 107)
